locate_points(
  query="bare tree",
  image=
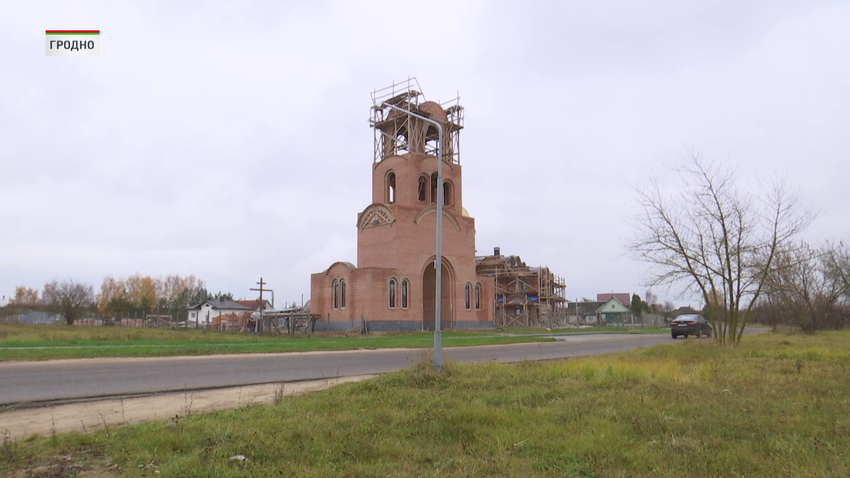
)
(68, 298)
(667, 309)
(838, 266)
(803, 284)
(714, 240)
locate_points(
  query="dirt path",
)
(88, 416)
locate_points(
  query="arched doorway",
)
(429, 292)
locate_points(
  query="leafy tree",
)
(69, 298)
(200, 295)
(25, 296)
(637, 304)
(112, 297)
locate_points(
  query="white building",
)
(203, 314)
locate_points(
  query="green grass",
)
(777, 406)
(46, 342)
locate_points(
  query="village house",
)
(206, 313)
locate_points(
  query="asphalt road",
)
(69, 380)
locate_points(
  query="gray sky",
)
(233, 143)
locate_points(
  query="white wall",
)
(201, 315)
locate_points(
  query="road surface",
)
(82, 379)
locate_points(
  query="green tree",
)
(637, 305)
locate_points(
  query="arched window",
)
(477, 296)
(392, 294)
(423, 188)
(405, 290)
(342, 294)
(336, 294)
(434, 187)
(467, 295)
(447, 193)
(391, 187)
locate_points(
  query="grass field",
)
(778, 405)
(45, 342)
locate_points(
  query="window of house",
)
(392, 294)
(447, 193)
(391, 187)
(477, 296)
(518, 311)
(342, 294)
(423, 188)
(405, 287)
(336, 294)
(467, 295)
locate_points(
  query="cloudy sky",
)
(232, 142)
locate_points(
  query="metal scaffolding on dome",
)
(396, 133)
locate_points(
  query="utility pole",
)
(438, 261)
(261, 290)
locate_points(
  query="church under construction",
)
(393, 285)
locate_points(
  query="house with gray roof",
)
(204, 313)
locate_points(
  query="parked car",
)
(690, 324)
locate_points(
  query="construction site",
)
(416, 171)
(524, 296)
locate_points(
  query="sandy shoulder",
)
(88, 416)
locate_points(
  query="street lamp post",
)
(438, 262)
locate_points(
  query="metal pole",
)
(438, 262)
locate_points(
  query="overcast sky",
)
(232, 142)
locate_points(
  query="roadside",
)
(88, 416)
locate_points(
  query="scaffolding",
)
(536, 295)
(396, 133)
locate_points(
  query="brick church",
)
(393, 285)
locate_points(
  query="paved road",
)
(32, 382)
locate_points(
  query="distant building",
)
(611, 311)
(614, 312)
(583, 313)
(683, 310)
(4, 300)
(624, 297)
(525, 296)
(207, 311)
(393, 285)
(255, 304)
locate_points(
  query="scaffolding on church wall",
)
(534, 295)
(396, 133)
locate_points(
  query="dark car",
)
(690, 324)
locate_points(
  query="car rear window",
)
(688, 318)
